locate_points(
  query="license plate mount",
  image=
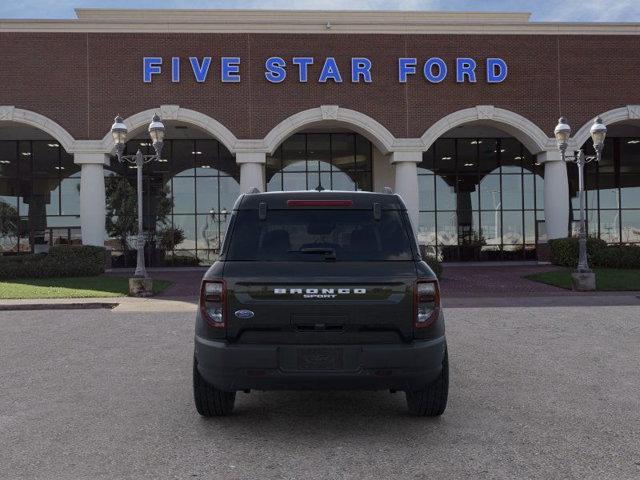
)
(320, 358)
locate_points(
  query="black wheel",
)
(210, 402)
(432, 401)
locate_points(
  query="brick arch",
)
(617, 115)
(382, 138)
(528, 133)
(177, 113)
(10, 113)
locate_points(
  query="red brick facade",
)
(81, 80)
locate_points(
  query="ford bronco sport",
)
(320, 290)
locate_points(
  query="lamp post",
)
(218, 218)
(141, 284)
(583, 278)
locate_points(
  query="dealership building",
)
(453, 111)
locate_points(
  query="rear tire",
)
(210, 402)
(432, 401)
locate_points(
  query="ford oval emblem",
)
(244, 314)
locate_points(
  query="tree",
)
(122, 209)
(169, 237)
(9, 223)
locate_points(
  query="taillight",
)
(212, 302)
(427, 303)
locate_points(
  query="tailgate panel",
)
(322, 306)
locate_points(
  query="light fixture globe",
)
(156, 132)
(119, 131)
(156, 129)
(562, 133)
(598, 133)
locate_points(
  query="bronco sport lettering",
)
(319, 293)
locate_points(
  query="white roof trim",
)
(263, 16)
(312, 21)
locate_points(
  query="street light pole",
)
(141, 270)
(583, 278)
(583, 263)
(156, 132)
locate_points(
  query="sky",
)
(542, 10)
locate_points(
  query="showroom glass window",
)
(200, 179)
(612, 192)
(334, 161)
(39, 196)
(480, 199)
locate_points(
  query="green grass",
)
(607, 279)
(73, 287)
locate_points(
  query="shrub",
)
(431, 259)
(619, 256)
(434, 264)
(564, 251)
(169, 238)
(61, 261)
(182, 261)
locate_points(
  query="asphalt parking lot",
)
(545, 392)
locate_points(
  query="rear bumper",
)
(319, 367)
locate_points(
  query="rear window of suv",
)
(319, 235)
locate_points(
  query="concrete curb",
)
(9, 307)
(116, 304)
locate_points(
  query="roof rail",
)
(387, 190)
(254, 190)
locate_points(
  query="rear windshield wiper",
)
(329, 253)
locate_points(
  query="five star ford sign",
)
(361, 69)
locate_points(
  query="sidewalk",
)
(458, 280)
(161, 304)
(463, 286)
(185, 281)
(503, 280)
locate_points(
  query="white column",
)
(406, 183)
(251, 170)
(92, 197)
(556, 194)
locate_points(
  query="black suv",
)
(320, 290)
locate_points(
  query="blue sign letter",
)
(428, 70)
(200, 71)
(230, 69)
(275, 69)
(406, 66)
(465, 67)
(496, 70)
(150, 66)
(331, 71)
(175, 69)
(303, 64)
(360, 67)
